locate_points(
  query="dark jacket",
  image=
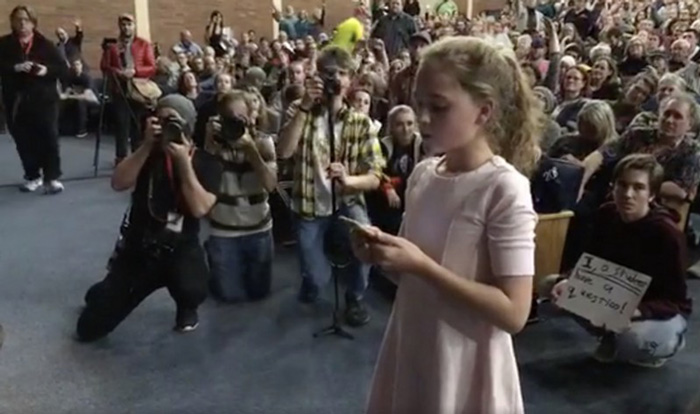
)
(396, 31)
(653, 246)
(36, 92)
(73, 48)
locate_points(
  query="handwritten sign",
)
(603, 292)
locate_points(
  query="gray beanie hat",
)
(183, 106)
(547, 98)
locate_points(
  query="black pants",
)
(127, 128)
(133, 277)
(36, 137)
(74, 116)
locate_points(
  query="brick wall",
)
(168, 17)
(99, 18)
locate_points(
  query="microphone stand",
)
(335, 328)
(100, 124)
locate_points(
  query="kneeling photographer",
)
(240, 249)
(174, 185)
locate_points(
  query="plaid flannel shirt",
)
(359, 150)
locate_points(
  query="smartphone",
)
(355, 225)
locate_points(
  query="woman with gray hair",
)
(669, 84)
(596, 126)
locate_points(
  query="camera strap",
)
(172, 217)
(179, 202)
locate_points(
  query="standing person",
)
(71, 48)
(215, 33)
(174, 186)
(356, 168)
(395, 29)
(464, 259)
(131, 57)
(30, 66)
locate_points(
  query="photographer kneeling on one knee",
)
(240, 248)
(174, 186)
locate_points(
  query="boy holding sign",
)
(641, 240)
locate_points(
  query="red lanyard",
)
(26, 47)
(171, 178)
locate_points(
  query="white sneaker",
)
(31, 185)
(54, 187)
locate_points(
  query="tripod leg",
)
(98, 135)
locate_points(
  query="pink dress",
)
(437, 356)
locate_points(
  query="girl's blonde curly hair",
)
(489, 73)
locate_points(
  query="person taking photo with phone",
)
(174, 186)
(30, 65)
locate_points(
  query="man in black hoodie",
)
(30, 65)
(638, 234)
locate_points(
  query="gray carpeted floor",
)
(254, 358)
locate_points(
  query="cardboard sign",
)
(603, 292)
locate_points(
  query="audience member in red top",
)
(131, 57)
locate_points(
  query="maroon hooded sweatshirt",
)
(653, 246)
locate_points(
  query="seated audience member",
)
(552, 130)
(70, 47)
(635, 232)
(403, 150)
(596, 127)
(603, 82)
(188, 87)
(167, 75)
(669, 84)
(224, 84)
(361, 101)
(571, 98)
(76, 95)
(638, 91)
(186, 45)
(240, 248)
(635, 60)
(669, 143)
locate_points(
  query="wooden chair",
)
(550, 235)
(682, 207)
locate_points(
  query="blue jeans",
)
(646, 340)
(241, 267)
(312, 236)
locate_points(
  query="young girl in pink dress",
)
(464, 259)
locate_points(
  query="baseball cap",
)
(127, 17)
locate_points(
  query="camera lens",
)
(232, 128)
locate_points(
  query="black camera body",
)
(331, 85)
(232, 129)
(172, 130)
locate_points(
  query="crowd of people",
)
(426, 128)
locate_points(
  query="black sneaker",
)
(355, 312)
(186, 320)
(606, 352)
(308, 293)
